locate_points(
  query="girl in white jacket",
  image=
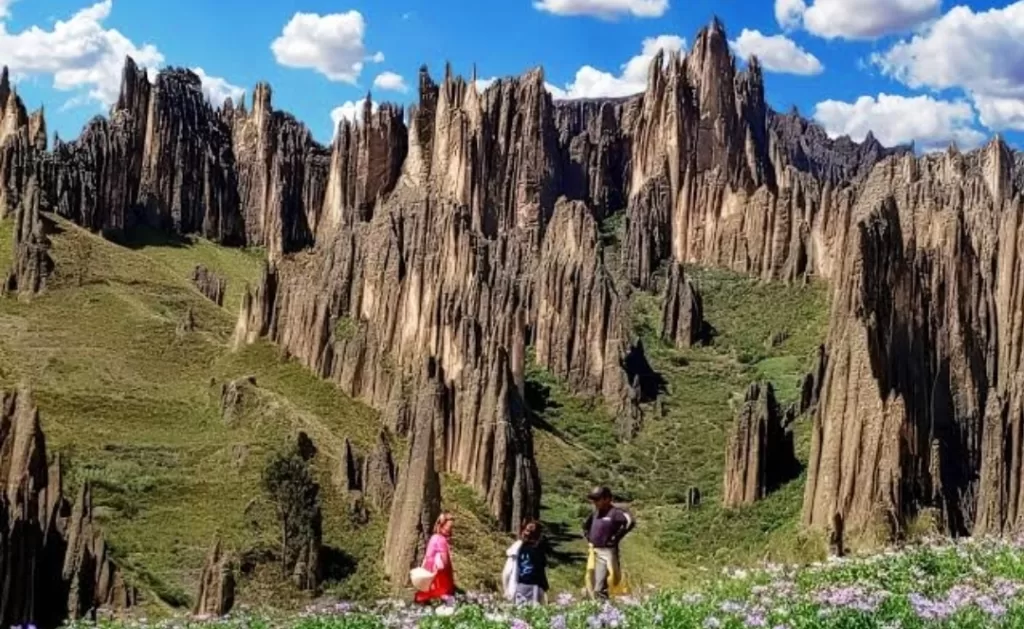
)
(525, 577)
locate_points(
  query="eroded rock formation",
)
(417, 500)
(366, 161)
(370, 478)
(379, 475)
(211, 285)
(810, 387)
(581, 331)
(235, 394)
(682, 318)
(281, 174)
(349, 476)
(922, 370)
(216, 594)
(54, 563)
(168, 159)
(31, 264)
(760, 454)
(93, 579)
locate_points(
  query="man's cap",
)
(599, 492)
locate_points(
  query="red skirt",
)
(442, 585)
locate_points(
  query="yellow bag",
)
(617, 582)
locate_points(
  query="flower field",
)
(970, 584)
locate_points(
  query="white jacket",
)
(510, 574)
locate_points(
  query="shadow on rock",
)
(639, 370)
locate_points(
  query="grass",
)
(973, 584)
(135, 408)
(761, 332)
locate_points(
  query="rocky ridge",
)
(922, 367)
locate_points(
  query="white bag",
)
(510, 574)
(421, 579)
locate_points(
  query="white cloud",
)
(79, 53)
(330, 44)
(789, 13)
(351, 111)
(217, 89)
(483, 84)
(777, 53)
(604, 9)
(5, 8)
(855, 19)
(556, 92)
(593, 83)
(1000, 113)
(391, 82)
(981, 53)
(930, 123)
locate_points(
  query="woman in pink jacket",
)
(438, 559)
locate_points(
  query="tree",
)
(289, 481)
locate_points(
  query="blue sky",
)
(925, 70)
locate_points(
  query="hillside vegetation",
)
(133, 405)
(761, 331)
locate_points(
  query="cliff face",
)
(919, 397)
(281, 175)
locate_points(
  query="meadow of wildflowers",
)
(970, 584)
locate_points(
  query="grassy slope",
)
(686, 447)
(136, 408)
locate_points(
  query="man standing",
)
(604, 528)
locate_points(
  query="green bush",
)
(289, 482)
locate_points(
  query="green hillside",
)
(135, 407)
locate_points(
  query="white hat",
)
(421, 578)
